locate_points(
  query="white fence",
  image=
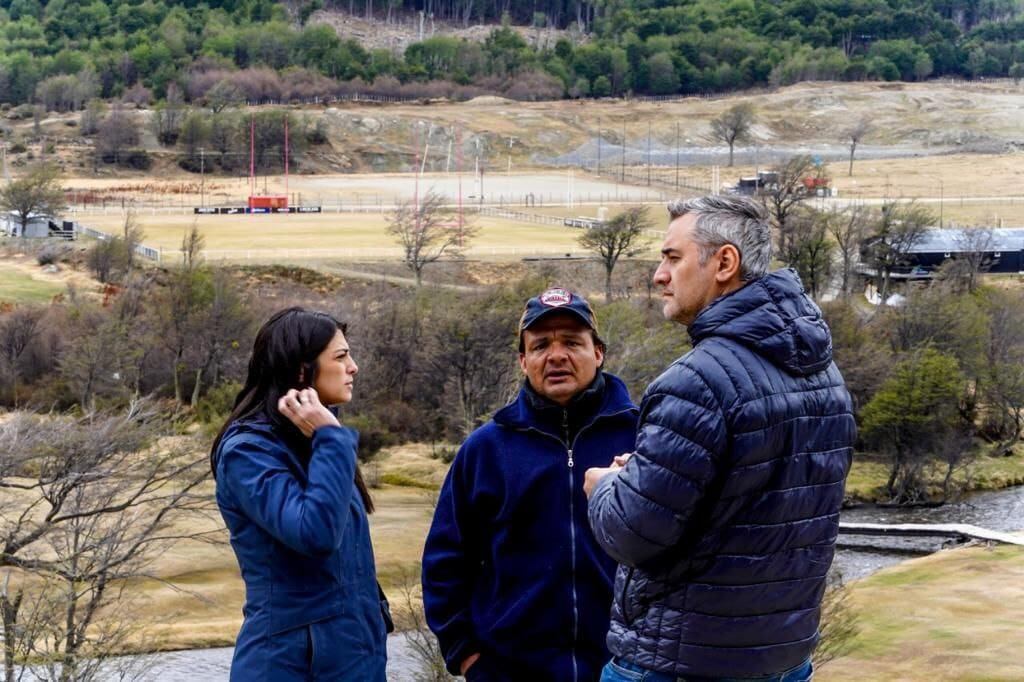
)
(152, 253)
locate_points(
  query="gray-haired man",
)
(724, 520)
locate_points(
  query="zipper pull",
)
(570, 459)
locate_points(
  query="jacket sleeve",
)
(647, 507)
(309, 520)
(451, 561)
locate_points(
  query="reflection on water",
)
(1001, 510)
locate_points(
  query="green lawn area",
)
(17, 287)
(954, 615)
(869, 474)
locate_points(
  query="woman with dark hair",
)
(290, 492)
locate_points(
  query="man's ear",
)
(522, 362)
(728, 264)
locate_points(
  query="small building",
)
(1004, 252)
(38, 226)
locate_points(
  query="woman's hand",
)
(304, 410)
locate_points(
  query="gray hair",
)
(725, 220)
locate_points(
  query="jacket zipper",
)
(572, 538)
(572, 513)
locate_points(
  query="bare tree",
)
(423, 644)
(475, 372)
(168, 116)
(623, 235)
(223, 95)
(849, 227)
(809, 249)
(853, 137)
(18, 331)
(782, 197)
(37, 193)
(898, 228)
(975, 256)
(85, 505)
(1003, 387)
(428, 231)
(182, 303)
(116, 134)
(219, 328)
(733, 126)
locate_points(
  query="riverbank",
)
(953, 615)
(869, 474)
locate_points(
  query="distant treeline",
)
(65, 52)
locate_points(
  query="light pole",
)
(942, 192)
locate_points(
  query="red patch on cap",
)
(554, 298)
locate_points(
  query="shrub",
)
(373, 435)
(218, 402)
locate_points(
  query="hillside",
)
(63, 54)
(908, 120)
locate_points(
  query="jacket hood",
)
(775, 318)
(521, 413)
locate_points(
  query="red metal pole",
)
(252, 158)
(286, 160)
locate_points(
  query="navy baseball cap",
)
(557, 300)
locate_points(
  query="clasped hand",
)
(593, 475)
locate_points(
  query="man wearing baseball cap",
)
(514, 585)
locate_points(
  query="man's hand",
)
(467, 663)
(303, 408)
(594, 475)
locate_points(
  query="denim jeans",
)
(619, 670)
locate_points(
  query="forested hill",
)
(62, 53)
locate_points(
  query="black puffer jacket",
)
(725, 519)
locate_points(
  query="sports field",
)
(334, 236)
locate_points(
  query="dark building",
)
(1004, 252)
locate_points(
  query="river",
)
(999, 510)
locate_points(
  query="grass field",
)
(336, 236)
(868, 475)
(205, 607)
(17, 285)
(955, 615)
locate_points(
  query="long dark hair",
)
(286, 348)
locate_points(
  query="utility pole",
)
(677, 154)
(598, 146)
(202, 177)
(623, 150)
(648, 153)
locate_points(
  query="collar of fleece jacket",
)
(774, 317)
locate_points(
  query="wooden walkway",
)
(961, 531)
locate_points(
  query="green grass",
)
(869, 474)
(394, 478)
(17, 287)
(954, 615)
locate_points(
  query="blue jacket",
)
(725, 520)
(299, 531)
(510, 567)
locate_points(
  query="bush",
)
(218, 402)
(136, 159)
(18, 148)
(51, 254)
(373, 435)
(444, 453)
